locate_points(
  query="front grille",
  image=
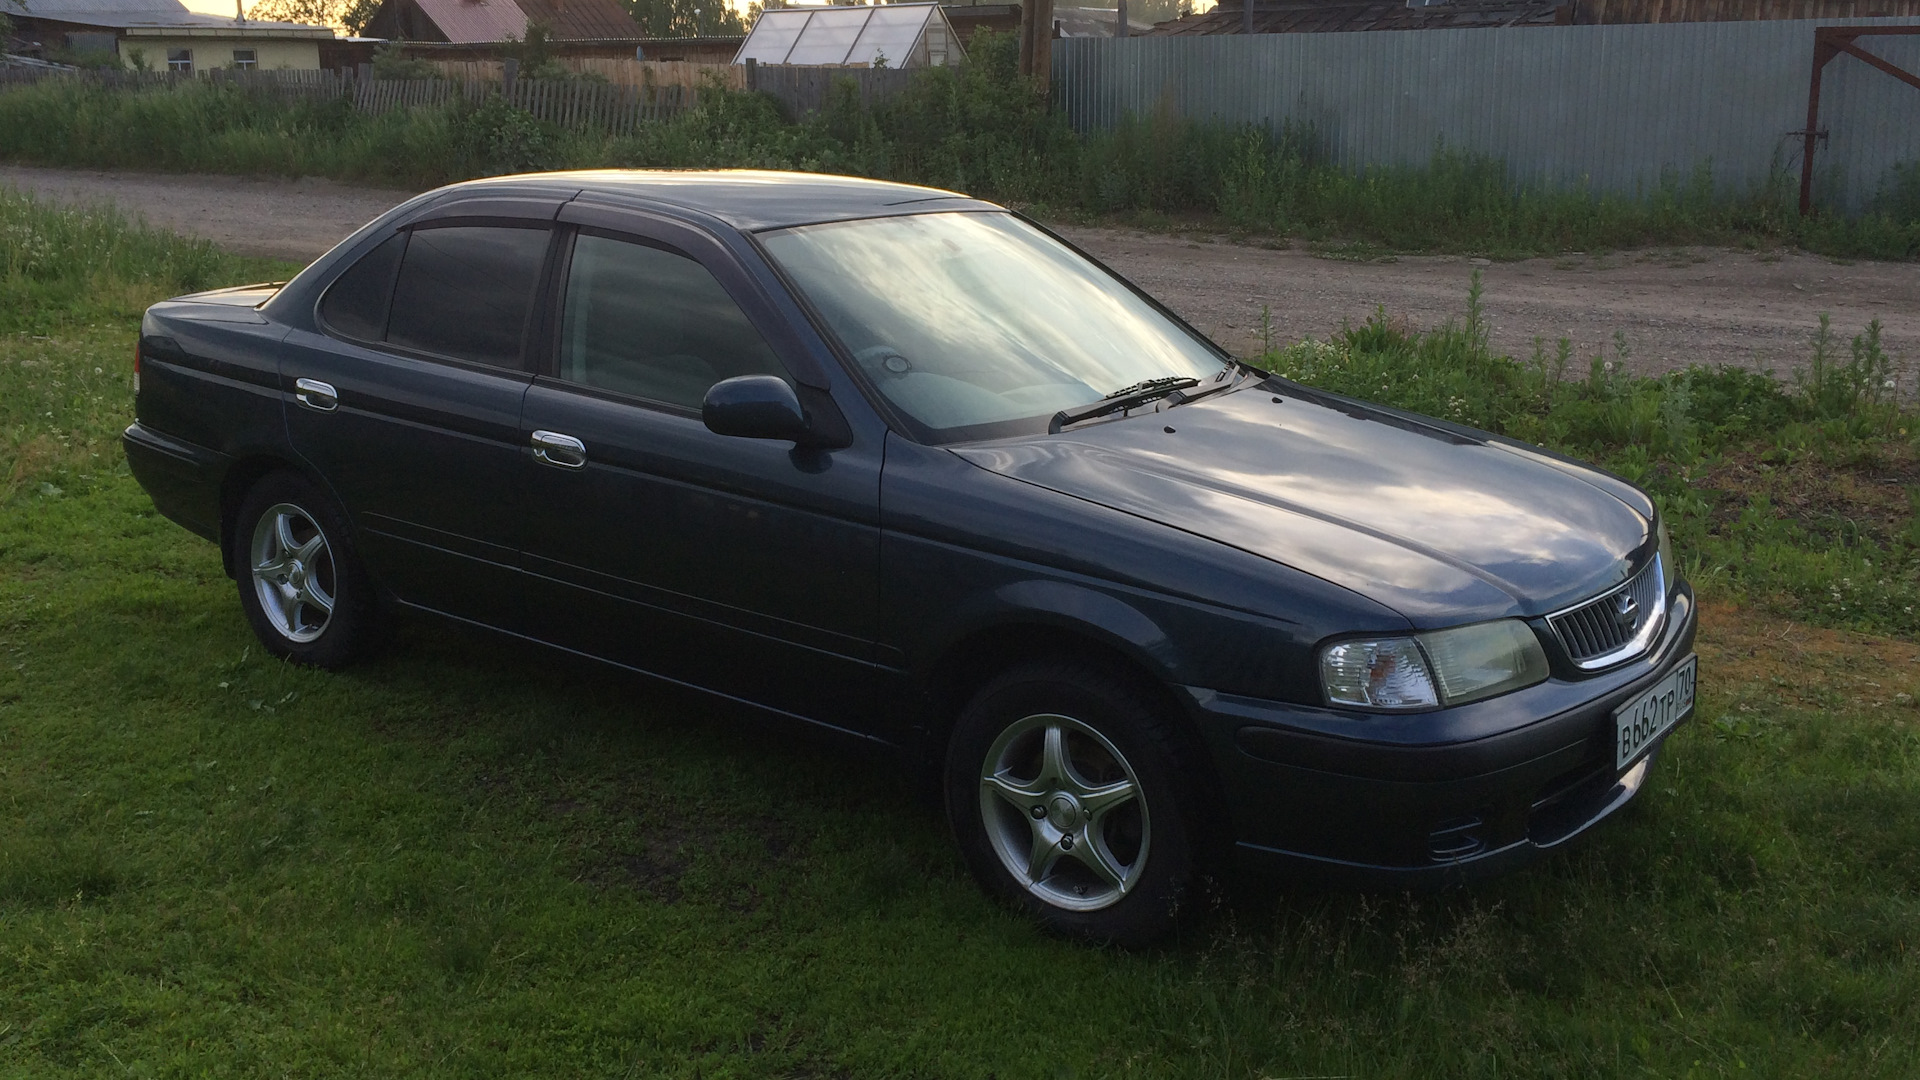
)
(1616, 625)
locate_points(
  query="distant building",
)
(161, 34)
(1094, 22)
(491, 21)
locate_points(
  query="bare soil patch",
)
(1778, 661)
(1672, 307)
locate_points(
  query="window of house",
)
(356, 303)
(653, 324)
(243, 59)
(464, 292)
(180, 60)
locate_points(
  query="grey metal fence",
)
(1609, 107)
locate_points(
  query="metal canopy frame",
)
(1828, 43)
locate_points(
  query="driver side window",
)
(653, 324)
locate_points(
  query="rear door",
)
(742, 566)
(408, 403)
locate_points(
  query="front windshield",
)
(971, 323)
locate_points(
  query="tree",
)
(349, 15)
(686, 18)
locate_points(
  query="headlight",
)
(1669, 573)
(1466, 663)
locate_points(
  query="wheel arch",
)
(246, 471)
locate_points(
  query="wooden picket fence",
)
(620, 71)
(578, 105)
(635, 93)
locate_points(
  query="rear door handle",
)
(316, 395)
(562, 451)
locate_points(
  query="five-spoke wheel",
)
(293, 573)
(300, 583)
(1064, 812)
(1073, 797)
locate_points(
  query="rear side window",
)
(653, 324)
(464, 292)
(356, 303)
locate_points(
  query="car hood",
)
(1442, 524)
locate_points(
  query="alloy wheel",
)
(1065, 812)
(293, 572)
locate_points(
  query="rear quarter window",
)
(355, 305)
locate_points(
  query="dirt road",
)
(1673, 307)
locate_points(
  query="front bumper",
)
(1310, 790)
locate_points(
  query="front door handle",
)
(562, 451)
(316, 395)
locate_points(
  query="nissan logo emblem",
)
(1626, 612)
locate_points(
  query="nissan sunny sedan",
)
(903, 464)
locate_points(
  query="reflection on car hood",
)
(1437, 523)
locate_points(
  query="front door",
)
(741, 566)
(408, 405)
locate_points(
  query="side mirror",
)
(754, 407)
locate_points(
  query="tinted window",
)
(356, 303)
(465, 291)
(653, 324)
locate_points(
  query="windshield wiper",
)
(1127, 397)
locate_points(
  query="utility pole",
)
(1036, 40)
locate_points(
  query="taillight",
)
(136, 367)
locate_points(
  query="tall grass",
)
(59, 268)
(976, 127)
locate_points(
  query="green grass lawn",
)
(469, 857)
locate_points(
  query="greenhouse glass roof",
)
(904, 35)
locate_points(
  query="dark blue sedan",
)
(903, 464)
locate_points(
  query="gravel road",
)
(1672, 306)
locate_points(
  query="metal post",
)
(509, 71)
(1822, 52)
(1246, 17)
(1120, 20)
(753, 74)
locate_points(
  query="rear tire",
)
(1066, 791)
(301, 583)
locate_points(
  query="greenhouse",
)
(886, 35)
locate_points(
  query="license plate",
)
(1643, 720)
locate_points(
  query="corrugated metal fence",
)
(1612, 107)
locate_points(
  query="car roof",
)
(747, 199)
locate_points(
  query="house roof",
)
(1328, 16)
(152, 15)
(475, 20)
(580, 20)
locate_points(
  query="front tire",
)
(1067, 795)
(301, 583)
